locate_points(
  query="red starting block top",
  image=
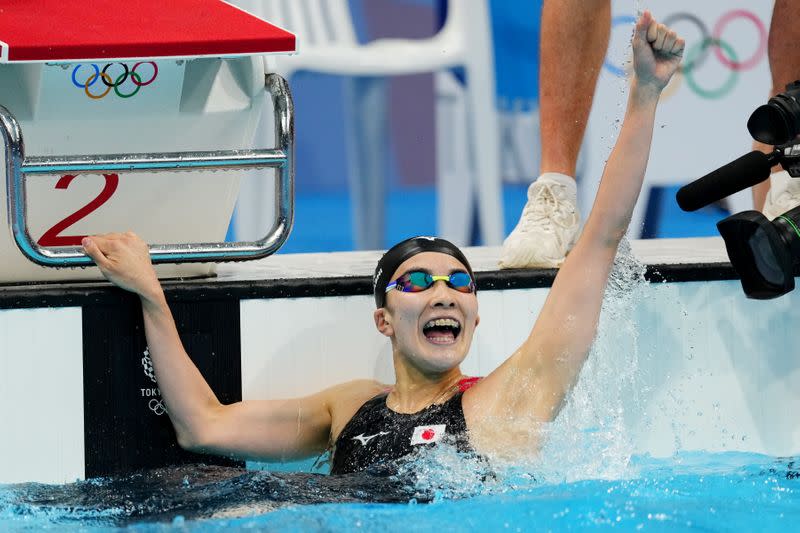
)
(70, 30)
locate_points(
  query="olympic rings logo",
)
(157, 406)
(101, 77)
(697, 54)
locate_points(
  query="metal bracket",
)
(281, 158)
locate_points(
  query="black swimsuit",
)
(376, 434)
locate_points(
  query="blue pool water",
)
(688, 492)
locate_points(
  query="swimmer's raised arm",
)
(252, 429)
(534, 381)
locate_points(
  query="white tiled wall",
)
(298, 346)
(41, 395)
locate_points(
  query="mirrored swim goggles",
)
(418, 281)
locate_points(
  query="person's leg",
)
(574, 41)
(784, 64)
(570, 62)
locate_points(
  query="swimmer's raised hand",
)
(124, 259)
(657, 52)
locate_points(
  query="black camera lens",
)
(778, 121)
(765, 261)
(763, 252)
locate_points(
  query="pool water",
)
(728, 492)
(731, 491)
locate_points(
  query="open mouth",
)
(442, 330)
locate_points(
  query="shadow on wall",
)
(728, 362)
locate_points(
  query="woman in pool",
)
(427, 306)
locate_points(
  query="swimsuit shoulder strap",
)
(465, 383)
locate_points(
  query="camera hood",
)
(761, 252)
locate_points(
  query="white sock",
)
(562, 179)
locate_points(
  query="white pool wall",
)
(716, 371)
(41, 395)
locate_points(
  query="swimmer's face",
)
(433, 328)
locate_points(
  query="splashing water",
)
(442, 472)
(589, 438)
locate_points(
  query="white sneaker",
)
(783, 195)
(548, 226)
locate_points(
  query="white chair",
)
(327, 44)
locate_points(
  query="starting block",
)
(107, 106)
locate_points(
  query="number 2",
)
(52, 236)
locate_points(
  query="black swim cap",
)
(400, 252)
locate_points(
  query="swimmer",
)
(427, 306)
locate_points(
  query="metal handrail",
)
(281, 158)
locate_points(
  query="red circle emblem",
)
(428, 434)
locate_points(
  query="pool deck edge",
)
(350, 274)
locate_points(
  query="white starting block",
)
(103, 115)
